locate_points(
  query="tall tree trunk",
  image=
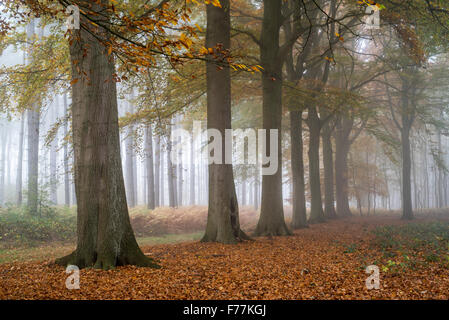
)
(407, 211)
(157, 168)
(223, 212)
(271, 221)
(407, 121)
(19, 181)
(316, 207)
(150, 168)
(170, 174)
(299, 217)
(54, 159)
(33, 146)
(342, 145)
(105, 236)
(328, 164)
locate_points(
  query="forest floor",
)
(324, 261)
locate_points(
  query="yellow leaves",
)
(215, 3)
(199, 28)
(371, 3)
(204, 51)
(340, 37)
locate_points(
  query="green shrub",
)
(19, 227)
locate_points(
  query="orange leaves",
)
(309, 265)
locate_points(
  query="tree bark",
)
(33, 146)
(299, 216)
(342, 145)
(223, 214)
(105, 236)
(316, 207)
(328, 164)
(271, 221)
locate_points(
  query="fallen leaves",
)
(308, 265)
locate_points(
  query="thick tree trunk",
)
(150, 167)
(271, 221)
(328, 164)
(299, 216)
(105, 236)
(19, 181)
(223, 215)
(316, 207)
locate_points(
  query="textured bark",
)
(150, 167)
(105, 236)
(299, 217)
(271, 221)
(223, 212)
(328, 164)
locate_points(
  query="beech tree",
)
(223, 211)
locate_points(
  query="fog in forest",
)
(133, 132)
